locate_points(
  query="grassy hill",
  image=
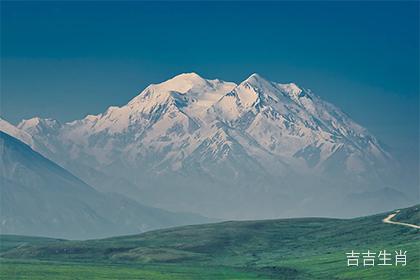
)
(305, 248)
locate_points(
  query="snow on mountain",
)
(16, 132)
(255, 137)
(38, 197)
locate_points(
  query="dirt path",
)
(388, 221)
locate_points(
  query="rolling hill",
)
(304, 248)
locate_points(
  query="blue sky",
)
(68, 59)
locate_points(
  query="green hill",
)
(305, 248)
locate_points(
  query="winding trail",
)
(388, 221)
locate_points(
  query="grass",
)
(307, 248)
(409, 215)
(8, 242)
(41, 270)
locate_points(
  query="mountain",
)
(17, 133)
(256, 149)
(38, 197)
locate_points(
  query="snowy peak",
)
(251, 95)
(291, 89)
(261, 84)
(187, 83)
(257, 85)
(17, 133)
(265, 89)
(182, 83)
(173, 118)
(256, 80)
(241, 97)
(188, 93)
(38, 125)
(237, 140)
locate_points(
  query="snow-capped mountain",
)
(220, 148)
(17, 133)
(38, 197)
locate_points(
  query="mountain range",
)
(257, 149)
(40, 198)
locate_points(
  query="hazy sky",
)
(67, 59)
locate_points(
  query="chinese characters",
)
(383, 258)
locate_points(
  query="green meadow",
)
(304, 248)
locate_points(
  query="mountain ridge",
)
(225, 136)
(39, 197)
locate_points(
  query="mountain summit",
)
(255, 149)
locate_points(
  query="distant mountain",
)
(253, 150)
(38, 197)
(16, 132)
